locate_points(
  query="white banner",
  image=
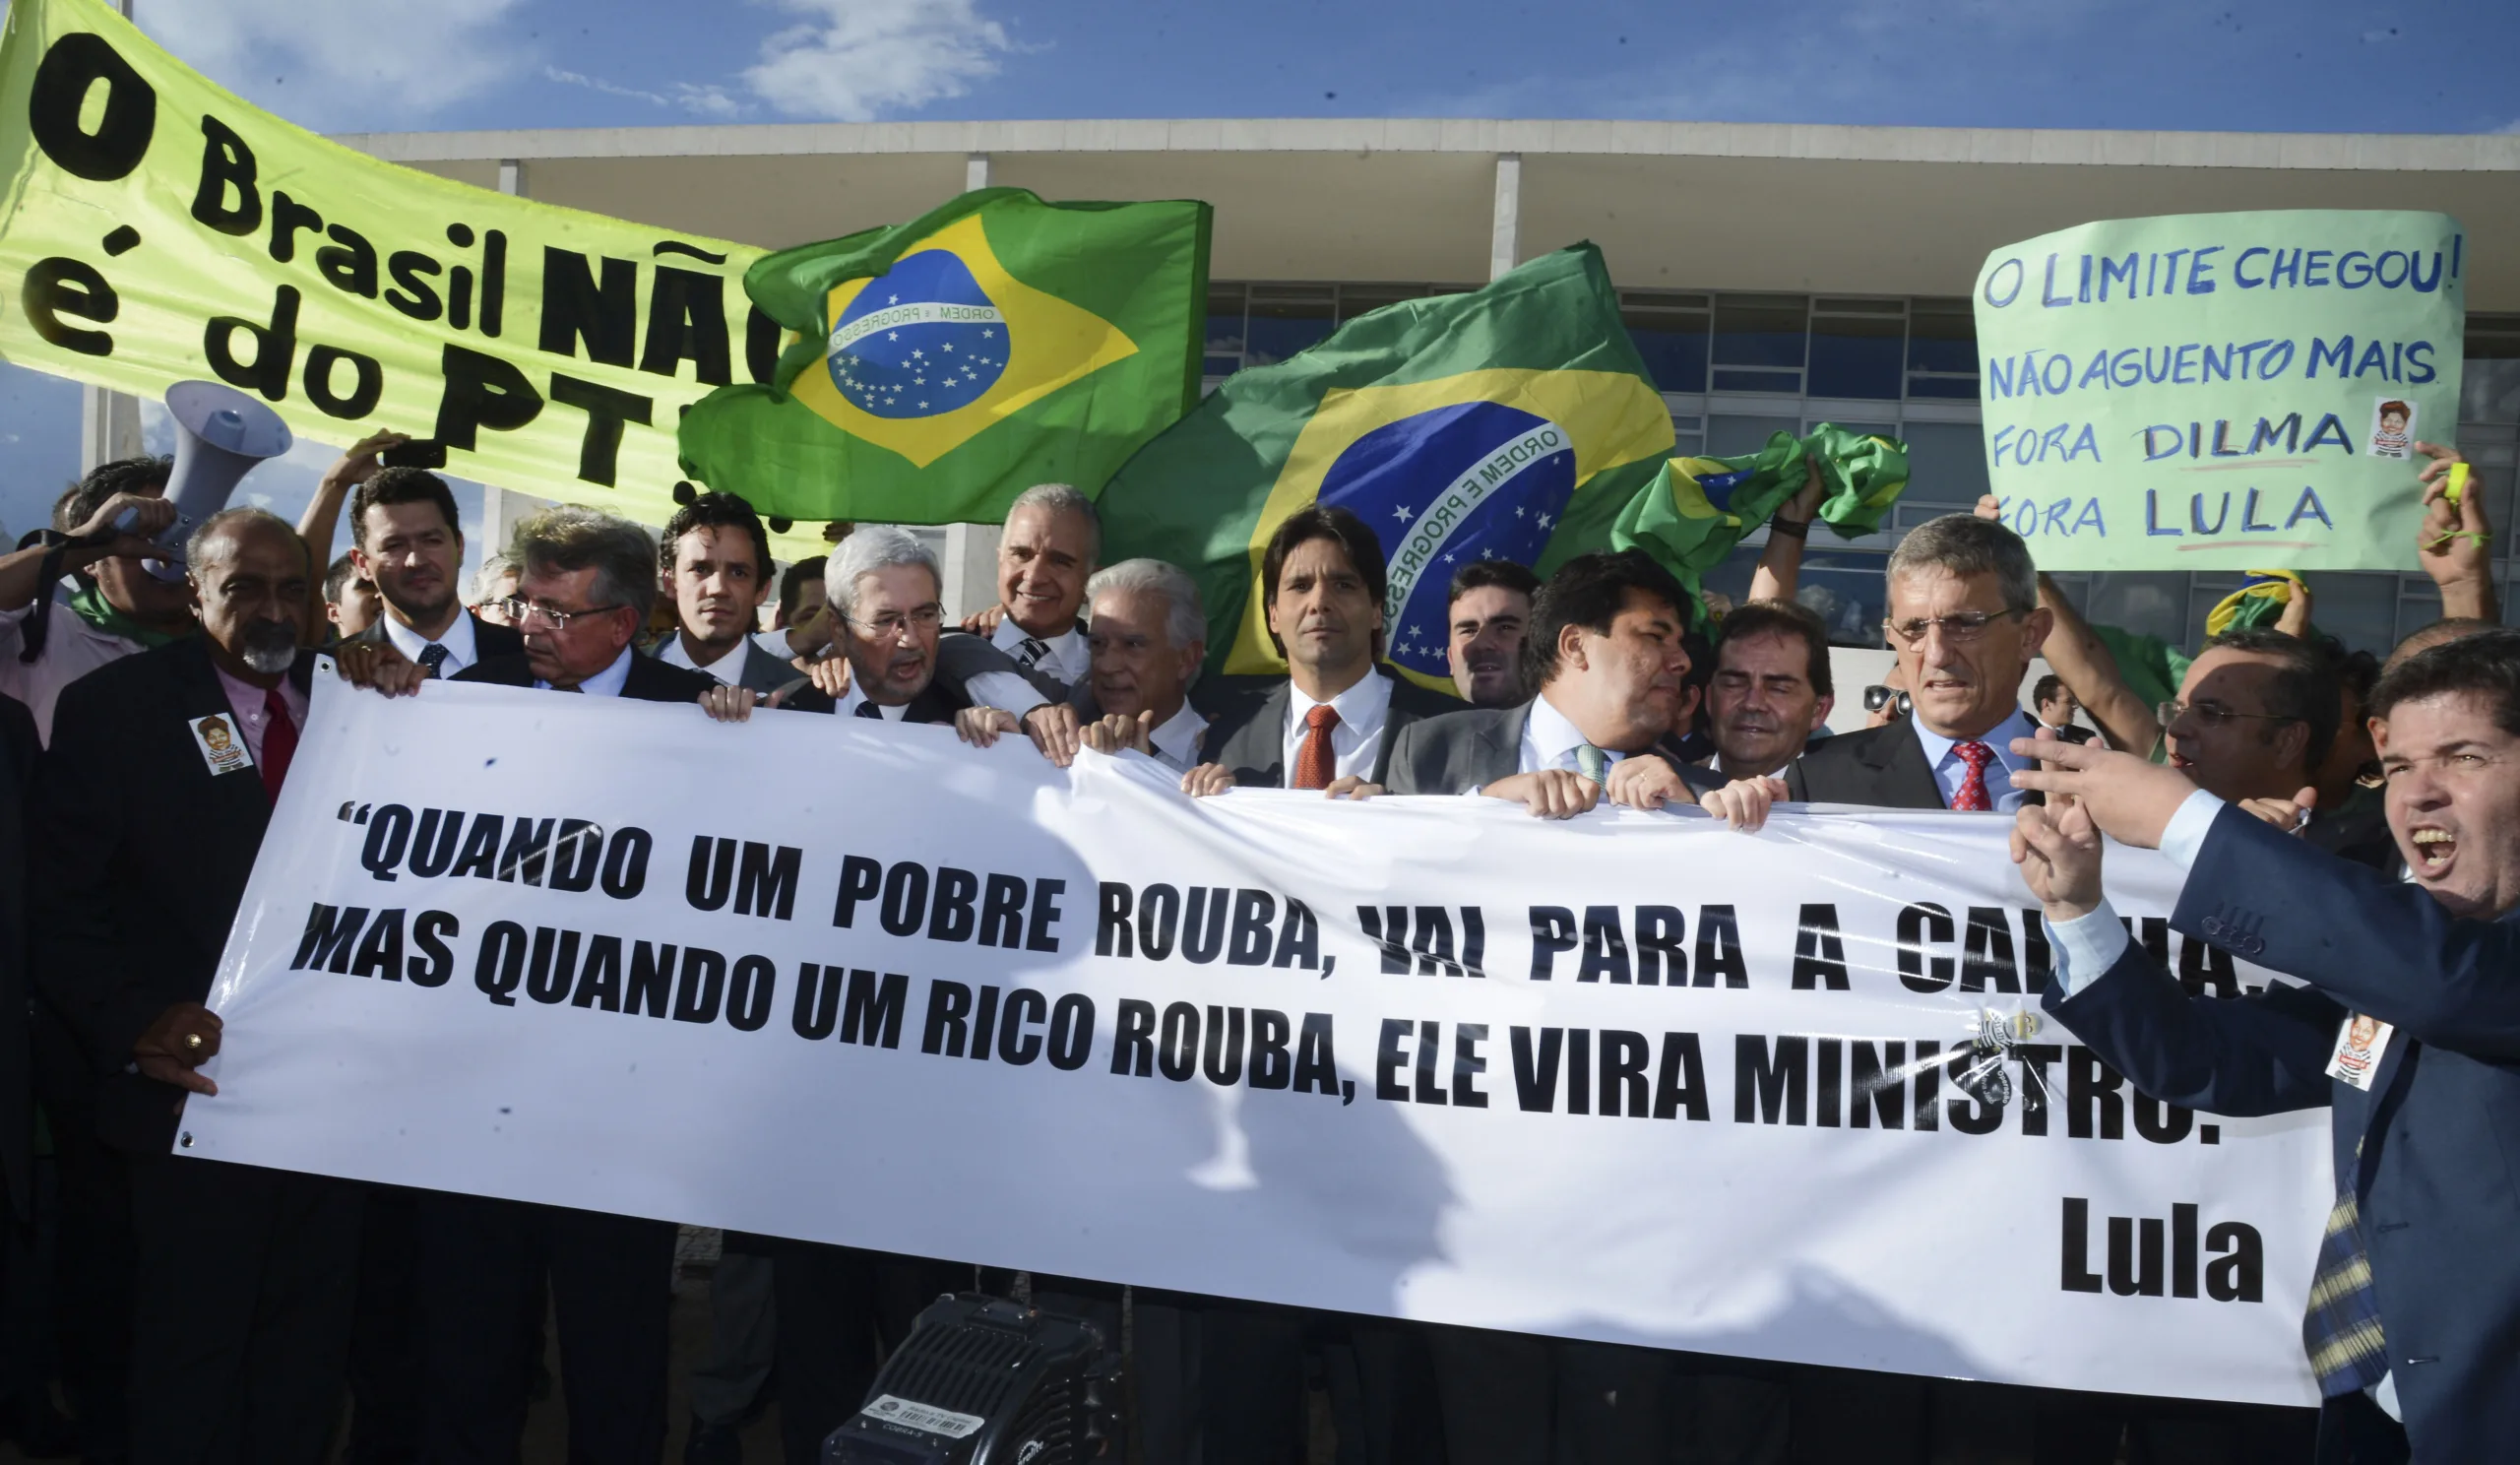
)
(1632, 1078)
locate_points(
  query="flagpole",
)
(108, 422)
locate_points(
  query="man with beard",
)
(2403, 1030)
(406, 541)
(1491, 606)
(1771, 692)
(242, 1278)
(49, 639)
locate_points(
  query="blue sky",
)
(2306, 65)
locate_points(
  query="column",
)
(1501, 240)
(975, 172)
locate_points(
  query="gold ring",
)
(192, 1043)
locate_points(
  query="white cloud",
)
(322, 63)
(851, 59)
(705, 101)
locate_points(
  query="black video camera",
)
(984, 1381)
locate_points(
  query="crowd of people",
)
(193, 1311)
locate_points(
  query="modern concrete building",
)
(1774, 276)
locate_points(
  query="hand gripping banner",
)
(1631, 1078)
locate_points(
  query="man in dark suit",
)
(1966, 622)
(155, 797)
(1488, 610)
(1605, 650)
(406, 541)
(2406, 1030)
(587, 582)
(1331, 724)
(2054, 703)
(714, 563)
(1771, 691)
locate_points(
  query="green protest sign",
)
(2221, 390)
(155, 229)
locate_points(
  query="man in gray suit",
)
(1604, 649)
(1330, 724)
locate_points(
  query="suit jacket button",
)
(2212, 927)
(2251, 946)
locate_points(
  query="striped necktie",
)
(1028, 654)
(2341, 1330)
(1592, 763)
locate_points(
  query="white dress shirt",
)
(1549, 740)
(727, 668)
(1065, 660)
(462, 649)
(1356, 743)
(2087, 946)
(1950, 770)
(606, 682)
(855, 698)
(1176, 741)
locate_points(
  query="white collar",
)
(608, 681)
(851, 700)
(727, 668)
(1552, 734)
(1065, 648)
(1361, 708)
(461, 649)
(1178, 740)
(1998, 739)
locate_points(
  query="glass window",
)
(1946, 464)
(1361, 299)
(1942, 349)
(1856, 347)
(2359, 609)
(1847, 590)
(1731, 436)
(1766, 332)
(38, 447)
(2490, 386)
(1224, 330)
(1669, 333)
(2148, 603)
(1284, 320)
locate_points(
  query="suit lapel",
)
(1901, 777)
(1259, 744)
(230, 801)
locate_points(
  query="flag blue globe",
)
(919, 342)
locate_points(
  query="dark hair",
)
(103, 482)
(1324, 522)
(791, 583)
(401, 485)
(2485, 665)
(2045, 689)
(1784, 618)
(1479, 574)
(2307, 688)
(2394, 405)
(1590, 591)
(712, 511)
(337, 579)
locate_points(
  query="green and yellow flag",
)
(1512, 423)
(1698, 508)
(945, 366)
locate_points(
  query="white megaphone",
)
(220, 433)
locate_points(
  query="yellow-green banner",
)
(156, 228)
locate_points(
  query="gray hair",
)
(1965, 545)
(486, 577)
(874, 547)
(568, 538)
(1063, 498)
(1184, 622)
(225, 521)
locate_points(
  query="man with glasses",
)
(1965, 619)
(889, 593)
(579, 603)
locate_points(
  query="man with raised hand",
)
(1489, 611)
(406, 541)
(49, 636)
(1604, 652)
(2407, 1028)
(1330, 724)
(153, 803)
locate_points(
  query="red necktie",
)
(1315, 763)
(279, 742)
(1972, 797)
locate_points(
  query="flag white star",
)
(949, 345)
(1448, 559)
(1544, 521)
(1519, 511)
(892, 299)
(918, 381)
(891, 335)
(1401, 513)
(922, 406)
(987, 333)
(916, 354)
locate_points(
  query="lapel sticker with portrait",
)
(221, 743)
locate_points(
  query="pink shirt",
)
(253, 713)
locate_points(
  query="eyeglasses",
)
(523, 612)
(1961, 626)
(889, 625)
(1876, 698)
(2213, 715)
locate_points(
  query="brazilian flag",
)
(1512, 423)
(945, 366)
(1698, 508)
